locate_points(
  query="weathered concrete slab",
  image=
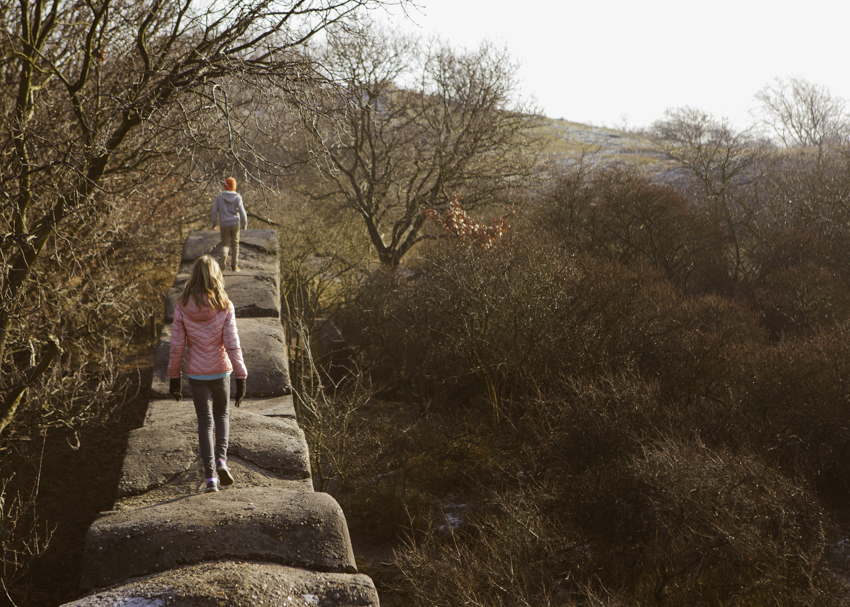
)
(267, 539)
(266, 355)
(264, 349)
(238, 584)
(167, 447)
(254, 295)
(293, 528)
(258, 250)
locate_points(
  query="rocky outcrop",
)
(268, 539)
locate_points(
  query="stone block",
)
(202, 242)
(279, 406)
(254, 294)
(166, 447)
(270, 444)
(156, 455)
(297, 529)
(258, 250)
(238, 584)
(168, 410)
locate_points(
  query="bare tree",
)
(105, 107)
(723, 162)
(801, 113)
(808, 118)
(414, 127)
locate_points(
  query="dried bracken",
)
(458, 224)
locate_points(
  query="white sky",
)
(616, 62)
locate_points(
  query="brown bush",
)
(789, 401)
(650, 432)
(788, 246)
(670, 520)
(511, 322)
(513, 556)
(673, 524)
(799, 285)
(516, 322)
(624, 217)
(801, 298)
(685, 525)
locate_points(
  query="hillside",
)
(608, 146)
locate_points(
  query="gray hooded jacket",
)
(228, 210)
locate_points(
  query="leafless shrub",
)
(515, 321)
(508, 322)
(368, 453)
(801, 299)
(623, 216)
(668, 520)
(800, 286)
(23, 537)
(507, 559)
(361, 449)
(685, 525)
(673, 524)
(789, 401)
(593, 424)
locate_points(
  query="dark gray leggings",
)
(212, 401)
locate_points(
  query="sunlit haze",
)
(622, 62)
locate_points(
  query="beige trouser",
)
(230, 240)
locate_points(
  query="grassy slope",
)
(571, 140)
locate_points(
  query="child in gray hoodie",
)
(229, 211)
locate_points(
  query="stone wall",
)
(268, 539)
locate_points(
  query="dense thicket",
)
(632, 404)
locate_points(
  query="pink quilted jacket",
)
(210, 340)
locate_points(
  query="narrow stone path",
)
(268, 539)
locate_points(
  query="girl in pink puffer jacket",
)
(204, 328)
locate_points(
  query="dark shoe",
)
(212, 486)
(224, 473)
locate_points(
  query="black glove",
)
(175, 388)
(240, 390)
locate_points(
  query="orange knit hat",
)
(230, 184)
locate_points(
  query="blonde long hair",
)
(206, 280)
